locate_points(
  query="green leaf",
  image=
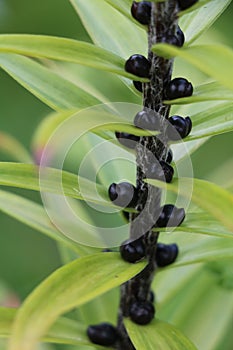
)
(68, 287)
(211, 198)
(64, 331)
(201, 223)
(213, 60)
(123, 6)
(212, 121)
(96, 120)
(34, 215)
(206, 92)
(202, 251)
(11, 146)
(212, 300)
(198, 21)
(27, 176)
(110, 29)
(67, 50)
(55, 91)
(157, 335)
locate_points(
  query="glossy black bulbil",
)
(177, 40)
(127, 140)
(185, 4)
(138, 65)
(103, 334)
(141, 11)
(178, 88)
(142, 312)
(148, 120)
(133, 251)
(138, 85)
(166, 254)
(179, 127)
(170, 216)
(161, 171)
(123, 194)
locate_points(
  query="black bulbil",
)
(166, 254)
(148, 120)
(103, 334)
(178, 88)
(123, 194)
(133, 251)
(138, 65)
(142, 312)
(127, 140)
(170, 216)
(141, 11)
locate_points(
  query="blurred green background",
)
(26, 256)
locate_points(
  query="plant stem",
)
(163, 20)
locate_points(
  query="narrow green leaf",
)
(68, 287)
(67, 50)
(198, 21)
(64, 331)
(212, 121)
(200, 223)
(123, 6)
(11, 146)
(206, 92)
(55, 91)
(213, 60)
(180, 152)
(34, 215)
(94, 120)
(111, 29)
(203, 251)
(210, 197)
(220, 303)
(27, 176)
(157, 335)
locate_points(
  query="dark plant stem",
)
(163, 20)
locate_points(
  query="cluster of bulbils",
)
(125, 194)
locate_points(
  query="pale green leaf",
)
(206, 92)
(64, 331)
(202, 251)
(68, 287)
(180, 152)
(63, 49)
(212, 121)
(210, 197)
(213, 60)
(12, 147)
(157, 335)
(203, 224)
(27, 176)
(34, 215)
(91, 80)
(195, 249)
(110, 29)
(124, 7)
(97, 120)
(50, 88)
(198, 21)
